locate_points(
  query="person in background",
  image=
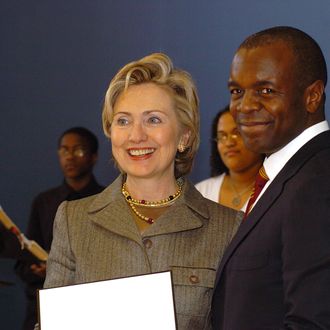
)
(233, 166)
(77, 152)
(275, 273)
(9, 245)
(151, 218)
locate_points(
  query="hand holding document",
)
(136, 302)
(31, 246)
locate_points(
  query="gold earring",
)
(181, 147)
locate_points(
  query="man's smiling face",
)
(266, 101)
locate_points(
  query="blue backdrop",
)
(57, 58)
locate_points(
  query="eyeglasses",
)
(224, 137)
(75, 152)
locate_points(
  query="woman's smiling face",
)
(145, 131)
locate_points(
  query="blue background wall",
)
(57, 58)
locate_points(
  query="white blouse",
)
(210, 188)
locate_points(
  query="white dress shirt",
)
(276, 161)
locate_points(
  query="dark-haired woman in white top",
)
(233, 166)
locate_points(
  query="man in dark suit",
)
(275, 273)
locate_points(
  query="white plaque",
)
(139, 302)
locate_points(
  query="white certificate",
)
(139, 302)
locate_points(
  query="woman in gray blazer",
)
(151, 218)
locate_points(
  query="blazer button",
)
(194, 279)
(147, 243)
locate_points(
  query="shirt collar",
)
(276, 161)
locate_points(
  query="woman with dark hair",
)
(233, 166)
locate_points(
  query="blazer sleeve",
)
(61, 261)
(306, 256)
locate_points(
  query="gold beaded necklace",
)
(161, 203)
(142, 202)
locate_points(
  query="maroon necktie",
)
(260, 182)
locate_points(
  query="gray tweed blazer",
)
(96, 238)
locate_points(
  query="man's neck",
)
(79, 183)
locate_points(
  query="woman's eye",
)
(154, 120)
(122, 121)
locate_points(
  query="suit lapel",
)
(177, 219)
(183, 215)
(318, 143)
(116, 217)
(110, 211)
(256, 215)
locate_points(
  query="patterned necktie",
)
(261, 180)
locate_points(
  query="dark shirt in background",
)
(40, 229)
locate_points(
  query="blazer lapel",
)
(110, 211)
(256, 215)
(178, 218)
(182, 215)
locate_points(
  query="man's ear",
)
(313, 96)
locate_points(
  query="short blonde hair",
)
(158, 68)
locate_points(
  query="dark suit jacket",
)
(275, 273)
